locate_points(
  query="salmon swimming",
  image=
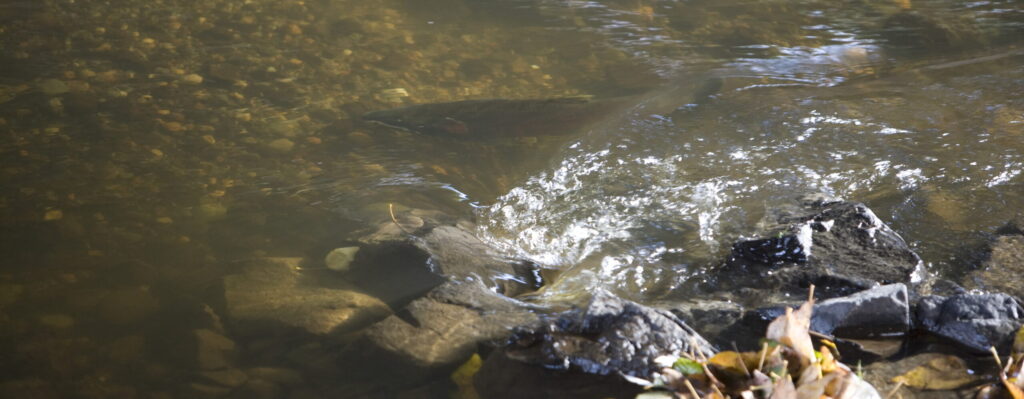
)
(505, 118)
(499, 118)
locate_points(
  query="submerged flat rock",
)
(440, 330)
(274, 293)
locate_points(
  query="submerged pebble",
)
(52, 87)
(192, 79)
(281, 145)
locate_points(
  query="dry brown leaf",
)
(784, 389)
(729, 361)
(1018, 343)
(792, 330)
(940, 373)
(828, 362)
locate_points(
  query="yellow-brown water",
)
(149, 147)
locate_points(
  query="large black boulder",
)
(608, 336)
(581, 352)
(840, 247)
(974, 321)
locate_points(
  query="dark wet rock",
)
(608, 336)
(711, 318)
(581, 352)
(881, 313)
(439, 331)
(975, 321)
(275, 294)
(878, 312)
(1013, 227)
(1004, 269)
(840, 247)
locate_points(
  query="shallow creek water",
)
(150, 147)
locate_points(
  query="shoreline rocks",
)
(437, 332)
(974, 321)
(583, 351)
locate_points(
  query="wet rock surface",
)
(974, 321)
(878, 313)
(840, 247)
(610, 335)
(434, 333)
(276, 293)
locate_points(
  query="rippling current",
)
(652, 197)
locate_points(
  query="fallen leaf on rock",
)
(941, 373)
(793, 329)
(731, 362)
(689, 366)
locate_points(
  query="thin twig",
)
(995, 355)
(764, 352)
(717, 391)
(894, 390)
(743, 364)
(693, 391)
(810, 294)
(714, 380)
(693, 345)
(819, 335)
(391, 211)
